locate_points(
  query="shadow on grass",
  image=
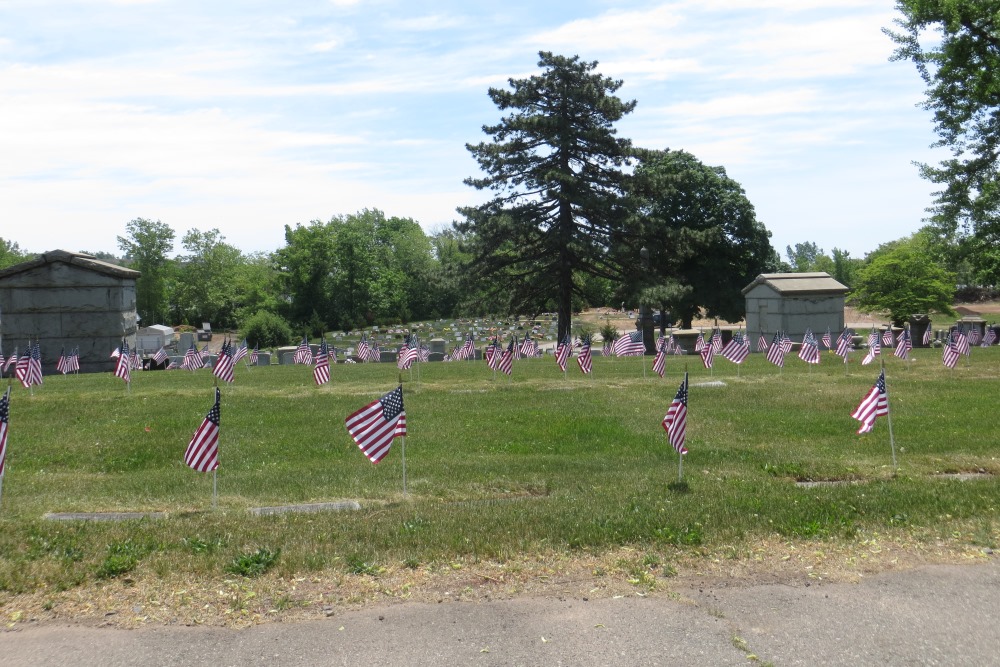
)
(679, 487)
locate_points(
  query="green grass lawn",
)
(495, 468)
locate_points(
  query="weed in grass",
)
(253, 564)
(411, 563)
(356, 564)
(123, 557)
(198, 545)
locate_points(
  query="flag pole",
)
(888, 416)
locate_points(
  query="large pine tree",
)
(553, 167)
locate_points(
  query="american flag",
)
(927, 335)
(989, 338)
(321, 372)
(117, 352)
(786, 342)
(73, 361)
(505, 362)
(583, 357)
(492, 353)
(974, 336)
(776, 353)
(424, 353)
(887, 337)
(12, 360)
(904, 346)
(950, 354)
(172, 365)
(192, 360)
(707, 355)
(527, 346)
(225, 363)
(875, 404)
(517, 348)
(962, 342)
(363, 348)
(21, 370)
(4, 419)
(469, 347)
(675, 421)
(809, 351)
(844, 342)
(375, 351)
(2, 358)
(202, 453)
(563, 350)
(874, 348)
(254, 354)
(124, 366)
(303, 353)
(827, 339)
(717, 340)
(407, 353)
(375, 426)
(61, 364)
(160, 356)
(762, 343)
(608, 348)
(737, 349)
(205, 354)
(240, 352)
(630, 345)
(675, 345)
(699, 342)
(660, 362)
(134, 360)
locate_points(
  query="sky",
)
(249, 116)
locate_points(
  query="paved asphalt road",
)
(935, 615)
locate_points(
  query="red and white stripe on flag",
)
(375, 426)
(202, 452)
(675, 421)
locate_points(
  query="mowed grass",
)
(496, 469)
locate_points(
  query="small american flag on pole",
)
(776, 353)
(202, 453)
(844, 342)
(160, 356)
(874, 404)
(583, 357)
(675, 421)
(904, 346)
(707, 355)
(950, 354)
(505, 362)
(563, 350)
(374, 426)
(241, 352)
(660, 361)
(321, 373)
(124, 366)
(989, 338)
(303, 353)
(737, 349)
(4, 419)
(192, 359)
(809, 351)
(224, 363)
(827, 339)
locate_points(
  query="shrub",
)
(267, 330)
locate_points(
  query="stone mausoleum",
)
(67, 300)
(794, 302)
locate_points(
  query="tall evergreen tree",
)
(553, 166)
